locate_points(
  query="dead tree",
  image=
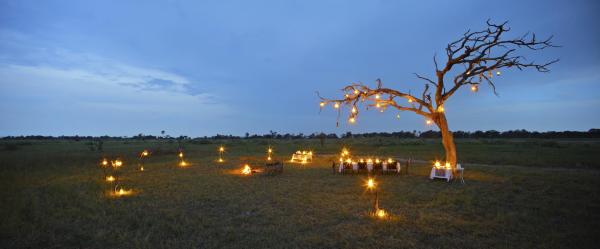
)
(473, 59)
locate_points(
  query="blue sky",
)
(205, 67)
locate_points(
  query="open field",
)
(53, 195)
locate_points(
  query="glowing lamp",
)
(377, 160)
(498, 73)
(361, 160)
(390, 160)
(110, 178)
(377, 96)
(117, 163)
(380, 213)
(142, 168)
(183, 164)
(448, 165)
(352, 120)
(349, 160)
(221, 160)
(322, 104)
(122, 192)
(104, 162)
(221, 149)
(369, 160)
(268, 158)
(145, 153)
(428, 122)
(341, 160)
(270, 150)
(410, 100)
(246, 170)
(336, 105)
(180, 154)
(377, 105)
(371, 183)
(437, 164)
(440, 108)
(474, 88)
(353, 109)
(356, 91)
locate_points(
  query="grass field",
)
(519, 194)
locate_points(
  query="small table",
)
(443, 173)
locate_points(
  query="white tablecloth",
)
(441, 173)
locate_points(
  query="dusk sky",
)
(205, 67)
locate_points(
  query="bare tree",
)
(473, 59)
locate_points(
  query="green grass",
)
(53, 195)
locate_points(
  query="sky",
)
(200, 68)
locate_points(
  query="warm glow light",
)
(377, 96)
(268, 158)
(377, 160)
(498, 73)
(428, 122)
(336, 105)
(246, 170)
(353, 109)
(117, 163)
(104, 162)
(352, 120)
(221, 149)
(380, 213)
(369, 160)
(341, 160)
(180, 154)
(377, 105)
(349, 160)
(371, 183)
(145, 153)
(390, 160)
(440, 108)
(356, 91)
(110, 178)
(183, 163)
(448, 165)
(410, 100)
(397, 115)
(221, 160)
(142, 168)
(270, 150)
(437, 164)
(122, 192)
(361, 160)
(474, 88)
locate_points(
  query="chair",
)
(460, 170)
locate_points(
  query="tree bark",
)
(447, 139)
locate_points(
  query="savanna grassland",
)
(518, 194)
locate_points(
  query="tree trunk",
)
(447, 139)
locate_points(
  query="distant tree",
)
(471, 60)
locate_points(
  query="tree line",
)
(592, 133)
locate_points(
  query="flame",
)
(448, 165)
(437, 164)
(145, 153)
(246, 170)
(183, 163)
(110, 178)
(380, 213)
